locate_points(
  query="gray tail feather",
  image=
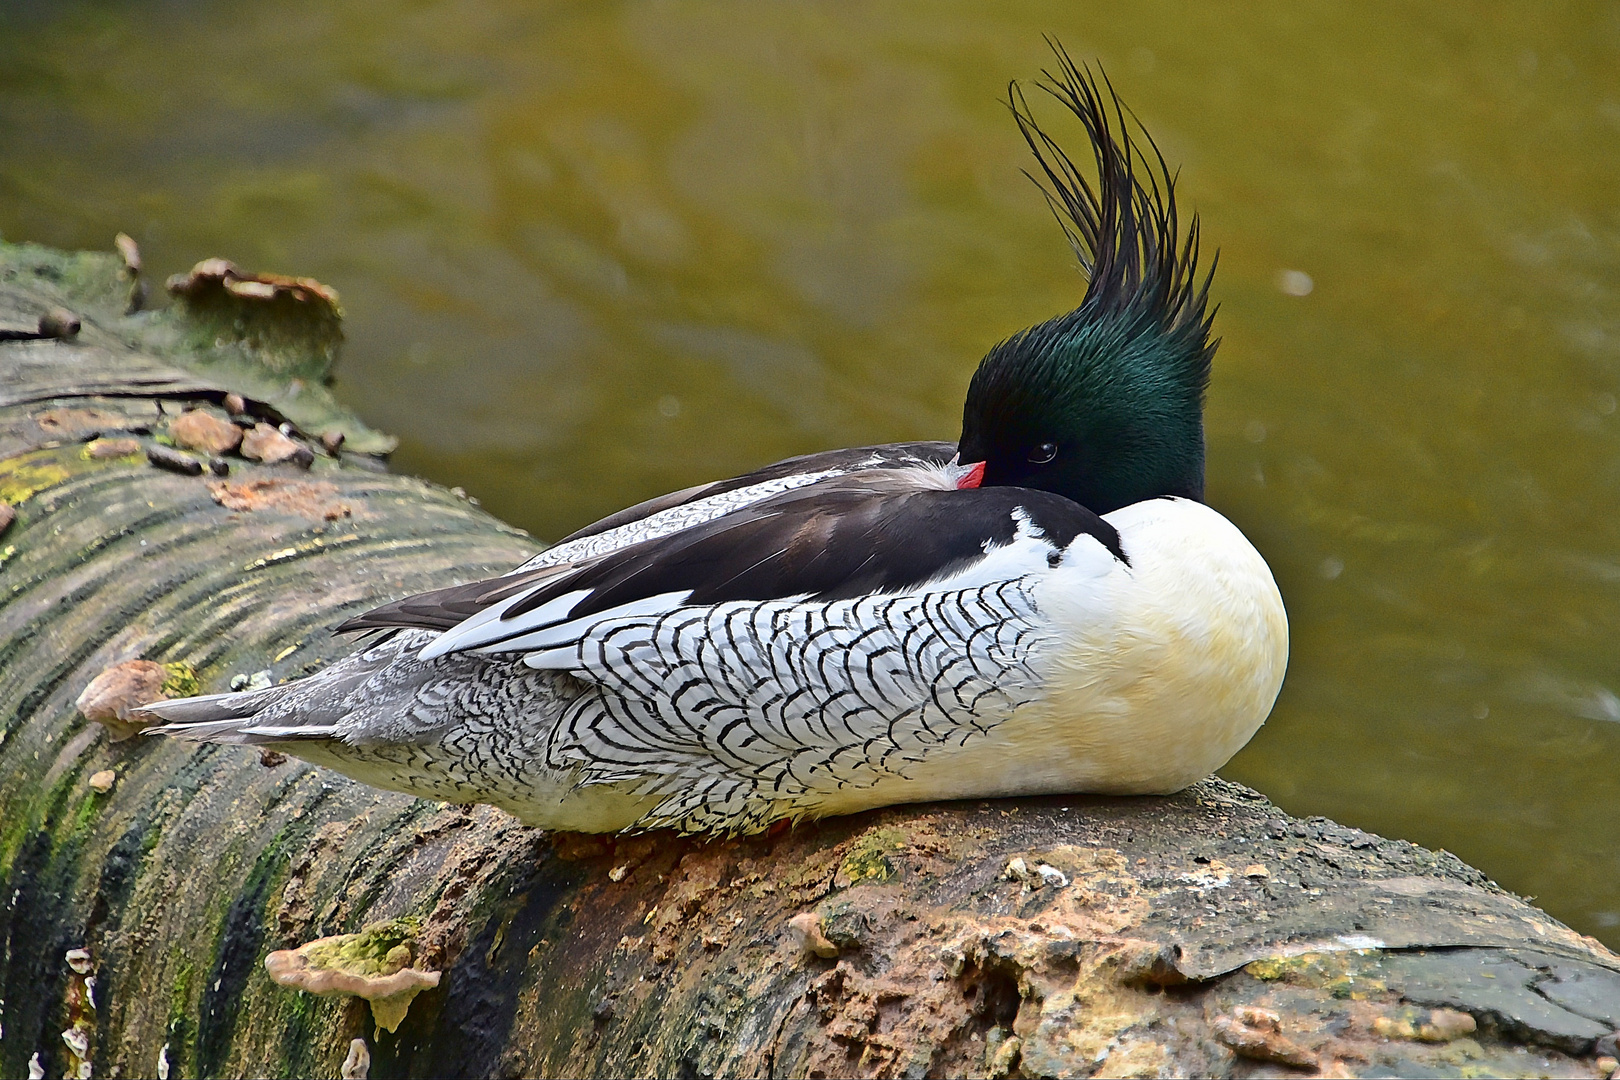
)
(229, 718)
(339, 703)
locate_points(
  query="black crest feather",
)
(1125, 231)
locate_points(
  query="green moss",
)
(15, 829)
(180, 680)
(91, 282)
(182, 1030)
(52, 810)
(45, 813)
(867, 860)
(844, 924)
(302, 1009)
(180, 992)
(304, 1018)
(85, 817)
(279, 352)
(379, 949)
(12, 834)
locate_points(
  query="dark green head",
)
(1103, 405)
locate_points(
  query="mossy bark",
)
(1204, 933)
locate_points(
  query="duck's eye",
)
(1043, 453)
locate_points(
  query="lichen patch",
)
(867, 856)
(180, 680)
(23, 477)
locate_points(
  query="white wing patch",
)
(743, 712)
(486, 626)
(672, 520)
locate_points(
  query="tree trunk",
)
(1205, 933)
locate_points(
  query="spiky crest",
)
(1116, 386)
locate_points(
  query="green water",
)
(592, 252)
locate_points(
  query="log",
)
(143, 882)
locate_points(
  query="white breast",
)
(1154, 675)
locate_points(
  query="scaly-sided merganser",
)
(1046, 606)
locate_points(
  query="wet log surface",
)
(1207, 933)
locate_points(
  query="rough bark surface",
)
(1207, 933)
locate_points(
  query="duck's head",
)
(1103, 405)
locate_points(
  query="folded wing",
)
(861, 535)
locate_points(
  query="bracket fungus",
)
(293, 325)
(114, 698)
(373, 964)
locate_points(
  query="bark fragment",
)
(264, 443)
(317, 500)
(202, 430)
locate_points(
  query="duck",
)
(1045, 606)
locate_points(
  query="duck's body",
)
(861, 627)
